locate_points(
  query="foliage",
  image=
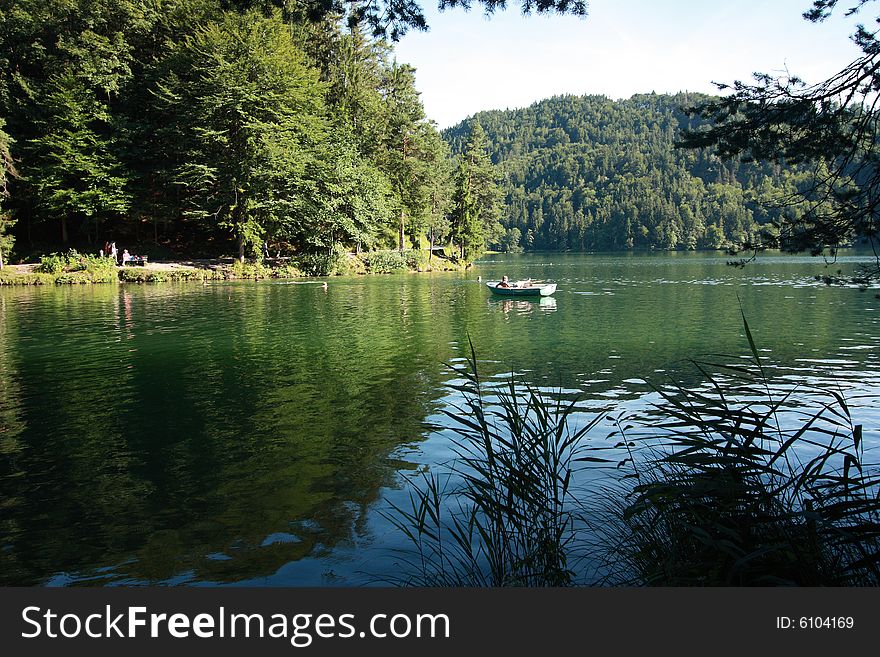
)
(510, 241)
(384, 262)
(586, 173)
(142, 275)
(475, 201)
(509, 516)
(62, 68)
(749, 483)
(394, 18)
(830, 128)
(405, 140)
(740, 481)
(245, 114)
(75, 171)
(257, 271)
(416, 260)
(350, 265)
(10, 277)
(73, 261)
(52, 264)
(7, 171)
(217, 127)
(82, 276)
(319, 264)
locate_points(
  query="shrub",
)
(73, 278)
(350, 265)
(73, 261)
(257, 270)
(384, 262)
(318, 264)
(139, 275)
(416, 260)
(51, 264)
(286, 271)
(9, 277)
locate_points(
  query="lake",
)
(254, 432)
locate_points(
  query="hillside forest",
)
(587, 173)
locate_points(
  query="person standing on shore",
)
(113, 252)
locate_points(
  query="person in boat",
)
(504, 282)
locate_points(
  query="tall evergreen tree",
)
(404, 144)
(440, 188)
(476, 200)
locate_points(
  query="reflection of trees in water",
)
(239, 422)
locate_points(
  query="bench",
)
(135, 261)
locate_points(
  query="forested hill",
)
(590, 173)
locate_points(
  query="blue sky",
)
(467, 62)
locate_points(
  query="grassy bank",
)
(74, 268)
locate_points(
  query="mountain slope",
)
(589, 173)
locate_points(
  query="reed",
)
(504, 514)
(744, 481)
(740, 481)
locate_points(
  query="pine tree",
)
(476, 206)
(440, 190)
(405, 147)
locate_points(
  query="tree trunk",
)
(402, 219)
(64, 230)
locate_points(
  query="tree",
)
(830, 128)
(63, 66)
(439, 189)
(7, 170)
(245, 115)
(394, 18)
(476, 199)
(354, 201)
(510, 241)
(74, 167)
(405, 145)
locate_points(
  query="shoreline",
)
(168, 271)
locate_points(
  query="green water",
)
(252, 432)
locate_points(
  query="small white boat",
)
(523, 289)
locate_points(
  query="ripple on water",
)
(251, 432)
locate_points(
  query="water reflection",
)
(248, 432)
